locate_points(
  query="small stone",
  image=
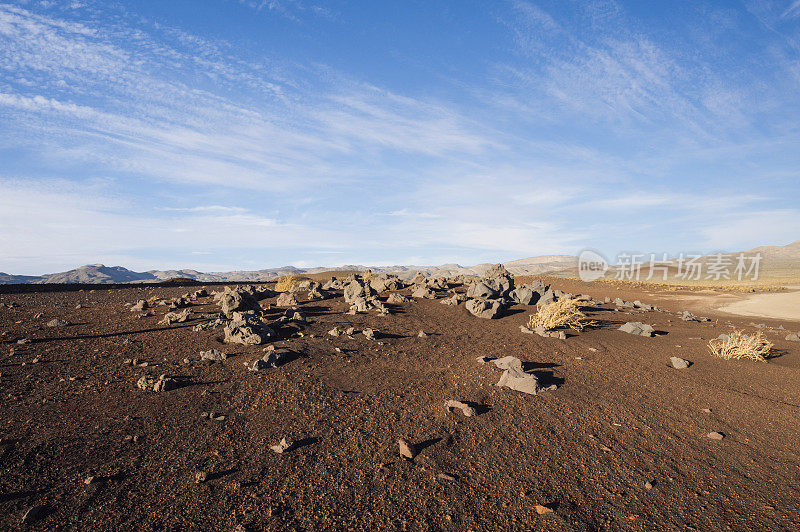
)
(407, 450)
(679, 363)
(88, 480)
(715, 436)
(200, 477)
(467, 410)
(706, 410)
(638, 328)
(213, 355)
(445, 476)
(162, 384)
(483, 360)
(515, 378)
(648, 486)
(422, 334)
(281, 447)
(370, 334)
(543, 510)
(334, 332)
(57, 323)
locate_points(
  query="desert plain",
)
(615, 437)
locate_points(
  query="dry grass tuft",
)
(562, 313)
(741, 345)
(283, 284)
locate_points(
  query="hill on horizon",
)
(777, 262)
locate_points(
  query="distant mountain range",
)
(100, 274)
(783, 259)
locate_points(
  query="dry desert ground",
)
(615, 437)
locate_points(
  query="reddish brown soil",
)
(620, 418)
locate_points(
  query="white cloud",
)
(168, 142)
(792, 11)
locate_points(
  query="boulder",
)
(423, 291)
(437, 283)
(286, 299)
(454, 300)
(237, 300)
(484, 308)
(176, 317)
(499, 279)
(247, 330)
(359, 304)
(793, 337)
(397, 299)
(526, 294)
(481, 290)
(635, 327)
(549, 296)
(382, 283)
(315, 294)
(356, 289)
(333, 284)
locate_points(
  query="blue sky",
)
(246, 134)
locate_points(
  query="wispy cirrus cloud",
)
(792, 11)
(124, 137)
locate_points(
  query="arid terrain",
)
(622, 442)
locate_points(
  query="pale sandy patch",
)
(785, 305)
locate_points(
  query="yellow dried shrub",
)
(740, 345)
(564, 313)
(283, 284)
